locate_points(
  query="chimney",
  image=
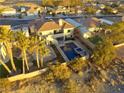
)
(60, 22)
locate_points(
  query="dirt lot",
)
(120, 51)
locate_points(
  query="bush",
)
(61, 72)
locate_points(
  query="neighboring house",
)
(83, 30)
(107, 22)
(92, 24)
(8, 11)
(23, 28)
(30, 8)
(34, 11)
(114, 19)
(61, 11)
(22, 9)
(88, 26)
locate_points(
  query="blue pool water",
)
(69, 51)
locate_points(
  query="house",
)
(30, 8)
(8, 11)
(58, 28)
(34, 11)
(53, 29)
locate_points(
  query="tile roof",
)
(89, 22)
(49, 26)
(52, 25)
(67, 25)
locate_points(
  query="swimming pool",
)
(69, 51)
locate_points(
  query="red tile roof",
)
(52, 25)
(49, 26)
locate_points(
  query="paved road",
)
(13, 22)
(80, 16)
(16, 21)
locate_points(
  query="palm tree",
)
(5, 66)
(43, 50)
(34, 48)
(6, 37)
(22, 42)
(2, 57)
(38, 47)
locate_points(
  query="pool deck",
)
(77, 43)
(59, 57)
(61, 52)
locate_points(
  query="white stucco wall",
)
(4, 13)
(68, 33)
(48, 32)
(51, 32)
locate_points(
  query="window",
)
(55, 31)
(58, 31)
(61, 31)
(69, 31)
